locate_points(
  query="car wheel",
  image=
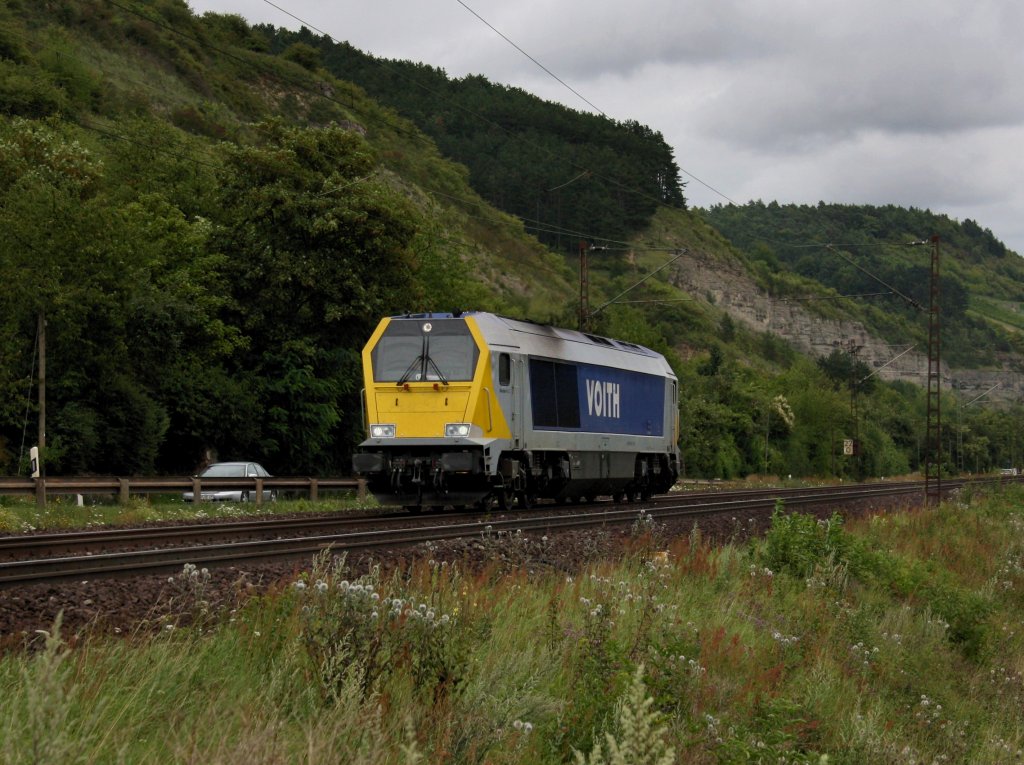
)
(244, 497)
(273, 496)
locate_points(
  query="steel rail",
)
(67, 542)
(15, 573)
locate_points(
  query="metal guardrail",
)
(123, 488)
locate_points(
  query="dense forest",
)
(210, 218)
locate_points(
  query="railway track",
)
(132, 552)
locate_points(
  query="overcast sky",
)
(906, 102)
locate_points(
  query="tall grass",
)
(899, 638)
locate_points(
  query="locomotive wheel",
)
(525, 499)
(504, 497)
(413, 509)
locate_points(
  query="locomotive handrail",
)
(490, 420)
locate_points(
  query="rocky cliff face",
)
(727, 285)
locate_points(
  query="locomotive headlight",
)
(382, 431)
(456, 430)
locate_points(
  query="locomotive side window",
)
(409, 352)
(504, 369)
(554, 394)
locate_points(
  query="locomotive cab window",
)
(416, 350)
(504, 370)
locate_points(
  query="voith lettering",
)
(603, 399)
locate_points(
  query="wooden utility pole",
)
(41, 441)
(933, 432)
(584, 289)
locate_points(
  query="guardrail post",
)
(197, 490)
(361, 489)
(122, 491)
(259, 492)
(314, 490)
(41, 492)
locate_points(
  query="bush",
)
(357, 636)
(27, 92)
(798, 543)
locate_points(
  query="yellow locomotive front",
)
(430, 410)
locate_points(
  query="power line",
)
(575, 92)
(549, 72)
(863, 270)
(829, 297)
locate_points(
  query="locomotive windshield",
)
(425, 349)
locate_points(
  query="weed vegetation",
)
(898, 638)
(20, 515)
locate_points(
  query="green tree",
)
(319, 248)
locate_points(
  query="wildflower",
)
(300, 585)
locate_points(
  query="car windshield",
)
(225, 471)
(415, 350)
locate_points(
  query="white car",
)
(232, 470)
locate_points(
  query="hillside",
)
(210, 222)
(211, 234)
(981, 287)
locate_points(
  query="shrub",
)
(355, 633)
(798, 543)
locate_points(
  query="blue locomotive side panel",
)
(594, 399)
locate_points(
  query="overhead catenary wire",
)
(548, 71)
(863, 270)
(576, 93)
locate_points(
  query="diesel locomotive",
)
(479, 409)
